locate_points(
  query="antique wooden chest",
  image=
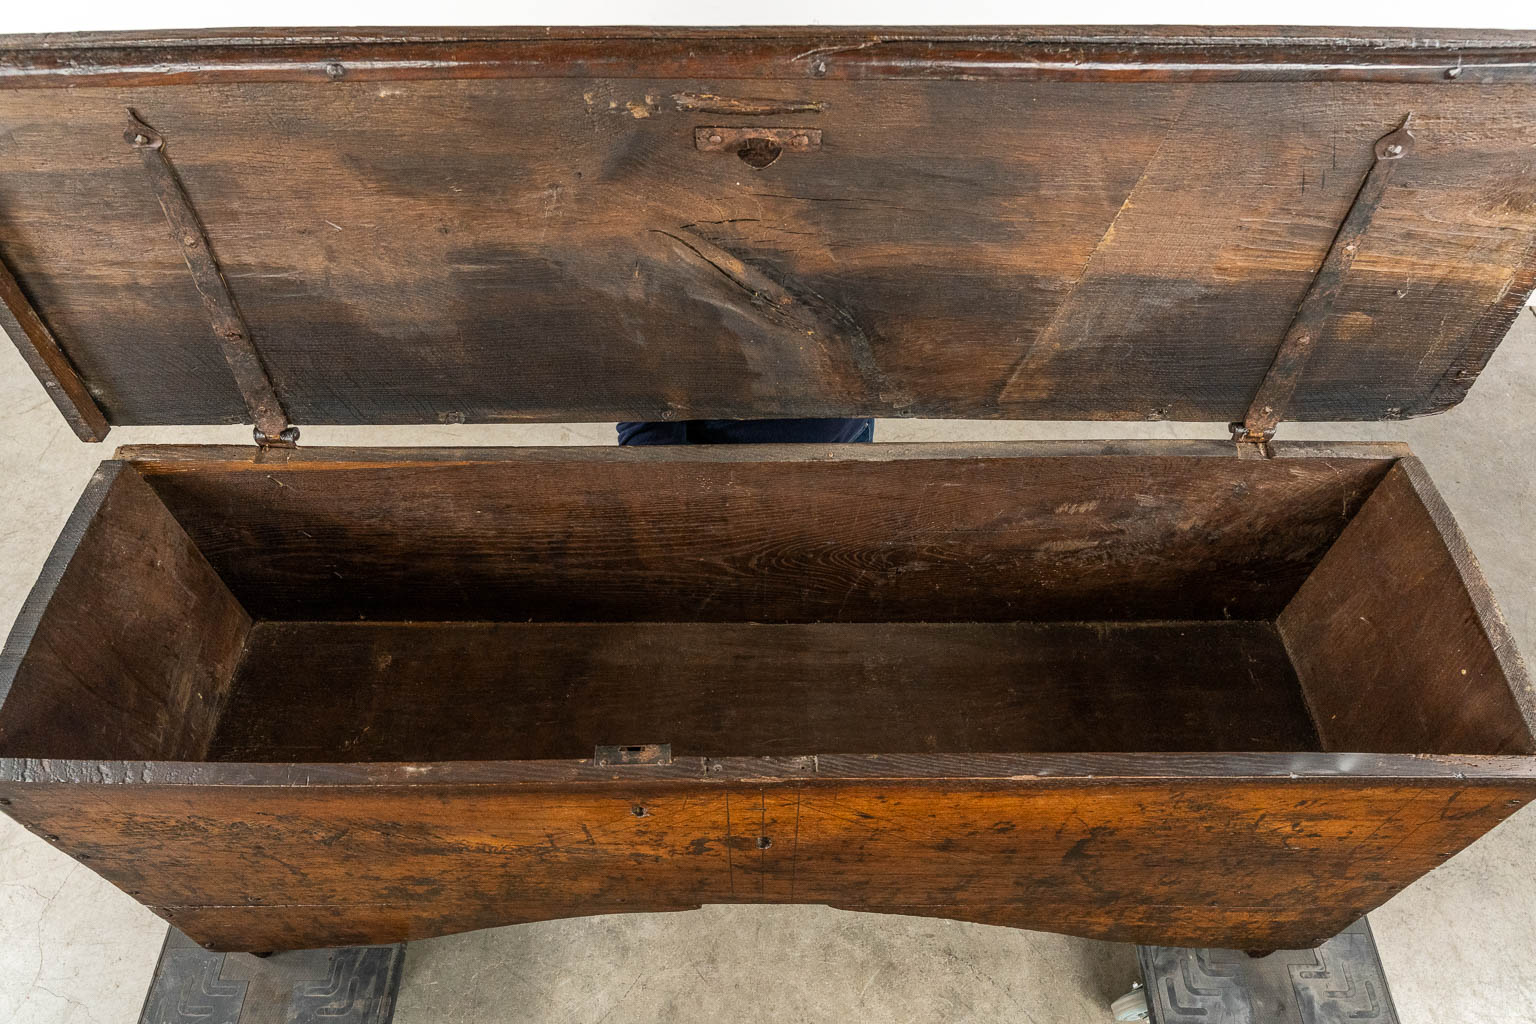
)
(1230, 692)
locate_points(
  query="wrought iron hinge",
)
(272, 426)
(1251, 445)
(1256, 430)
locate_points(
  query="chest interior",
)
(698, 227)
(529, 605)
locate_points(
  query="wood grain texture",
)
(1166, 769)
(309, 692)
(127, 646)
(774, 535)
(407, 252)
(462, 225)
(1399, 609)
(1237, 848)
(47, 360)
(161, 459)
(1070, 53)
(1281, 863)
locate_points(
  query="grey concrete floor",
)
(1458, 946)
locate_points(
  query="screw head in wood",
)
(715, 140)
(333, 71)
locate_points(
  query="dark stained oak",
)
(397, 780)
(1279, 863)
(161, 459)
(1399, 602)
(1146, 691)
(552, 245)
(479, 691)
(1064, 53)
(47, 361)
(128, 643)
(831, 640)
(775, 534)
(1167, 769)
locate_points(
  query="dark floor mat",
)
(1340, 982)
(351, 985)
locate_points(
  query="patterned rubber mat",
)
(351, 985)
(1340, 982)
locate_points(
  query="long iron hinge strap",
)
(1274, 394)
(273, 428)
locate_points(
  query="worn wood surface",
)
(47, 360)
(161, 459)
(1238, 848)
(781, 534)
(1399, 606)
(128, 644)
(555, 247)
(1166, 769)
(475, 226)
(1061, 53)
(310, 692)
(1273, 863)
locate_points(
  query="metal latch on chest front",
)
(638, 754)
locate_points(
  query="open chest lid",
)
(417, 226)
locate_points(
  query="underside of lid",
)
(416, 226)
